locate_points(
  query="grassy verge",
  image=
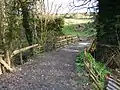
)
(84, 79)
(99, 69)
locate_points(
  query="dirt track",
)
(53, 71)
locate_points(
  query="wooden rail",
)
(65, 40)
(111, 83)
(89, 68)
(23, 49)
(5, 60)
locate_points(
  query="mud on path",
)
(52, 71)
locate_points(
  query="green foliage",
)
(59, 24)
(51, 24)
(99, 68)
(22, 26)
(48, 29)
(90, 28)
(87, 29)
(50, 41)
(81, 70)
(80, 61)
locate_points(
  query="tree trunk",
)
(108, 31)
(28, 31)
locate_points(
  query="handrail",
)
(62, 40)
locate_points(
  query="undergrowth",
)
(80, 62)
(98, 68)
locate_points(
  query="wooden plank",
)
(8, 60)
(75, 38)
(61, 37)
(23, 49)
(57, 45)
(5, 65)
(65, 40)
(61, 41)
(0, 67)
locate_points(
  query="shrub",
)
(51, 24)
(48, 28)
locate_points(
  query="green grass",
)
(71, 24)
(69, 30)
(81, 69)
(99, 67)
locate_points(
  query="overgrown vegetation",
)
(80, 61)
(23, 25)
(98, 68)
(49, 30)
(108, 32)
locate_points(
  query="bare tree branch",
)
(88, 4)
(83, 4)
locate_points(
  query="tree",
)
(108, 32)
(25, 13)
(108, 29)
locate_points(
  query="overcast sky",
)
(65, 6)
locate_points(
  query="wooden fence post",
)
(8, 60)
(5, 65)
(0, 66)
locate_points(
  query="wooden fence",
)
(5, 60)
(65, 40)
(110, 82)
(93, 75)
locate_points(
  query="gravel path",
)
(52, 71)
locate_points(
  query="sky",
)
(66, 6)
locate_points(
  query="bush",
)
(90, 28)
(48, 28)
(51, 24)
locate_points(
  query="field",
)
(78, 27)
(76, 21)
